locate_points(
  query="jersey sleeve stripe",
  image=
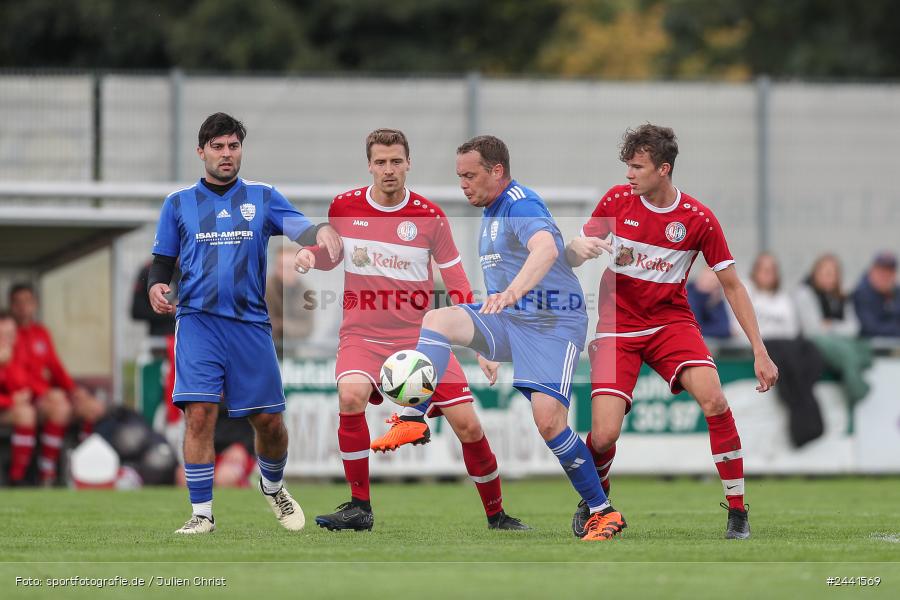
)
(723, 265)
(449, 263)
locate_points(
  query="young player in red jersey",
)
(390, 236)
(56, 396)
(16, 408)
(654, 232)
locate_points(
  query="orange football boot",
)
(402, 432)
(600, 528)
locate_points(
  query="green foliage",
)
(794, 38)
(623, 39)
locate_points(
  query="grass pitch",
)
(431, 541)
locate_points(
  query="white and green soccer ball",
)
(408, 378)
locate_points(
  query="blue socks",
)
(272, 472)
(437, 348)
(199, 479)
(576, 459)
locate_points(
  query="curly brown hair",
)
(659, 142)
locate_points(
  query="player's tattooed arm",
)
(739, 300)
(585, 248)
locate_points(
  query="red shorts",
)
(616, 359)
(364, 356)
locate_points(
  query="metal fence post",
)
(763, 199)
(97, 126)
(473, 104)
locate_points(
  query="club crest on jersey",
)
(248, 211)
(495, 226)
(407, 231)
(360, 257)
(675, 231)
(624, 256)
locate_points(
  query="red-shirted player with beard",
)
(390, 236)
(654, 232)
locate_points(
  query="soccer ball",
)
(407, 378)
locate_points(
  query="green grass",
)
(803, 532)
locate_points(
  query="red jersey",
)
(387, 255)
(13, 378)
(35, 345)
(653, 251)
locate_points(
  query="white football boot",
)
(197, 524)
(286, 509)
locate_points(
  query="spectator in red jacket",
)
(56, 396)
(16, 408)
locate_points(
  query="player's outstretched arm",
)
(582, 249)
(542, 253)
(736, 294)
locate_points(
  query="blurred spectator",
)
(876, 298)
(289, 311)
(161, 326)
(708, 303)
(57, 397)
(799, 363)
(827, 318)
(16, 409)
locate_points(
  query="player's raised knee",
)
(468, 431)
(713, 403)
(436, 319)
(352, 401)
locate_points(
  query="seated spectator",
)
(877, 298)
(16, 409)
(799, 363)
(57, 398)
(289, 313)
(828, 320)
(708, 303)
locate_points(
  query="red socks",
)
(22, 443)
(603, 461)
(51, 443)
(482, 467)
(353, 440)
(726, 450)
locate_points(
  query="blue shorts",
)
(542, 361)
(219, 357)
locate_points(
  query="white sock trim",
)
(203, 509)
(604, 506)
(486, 478)
(733, 487)
(734, 454)
(271, 487)
(355, 455)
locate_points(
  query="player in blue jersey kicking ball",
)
(534, 315)
(219, 228)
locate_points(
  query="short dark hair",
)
(219, 124)
(386, 137)
(492, 150)
(659, 142)
(21, 287)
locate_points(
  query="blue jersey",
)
(557, 302)
(222, 242)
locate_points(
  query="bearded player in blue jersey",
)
(219, 228)
(534, 315)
